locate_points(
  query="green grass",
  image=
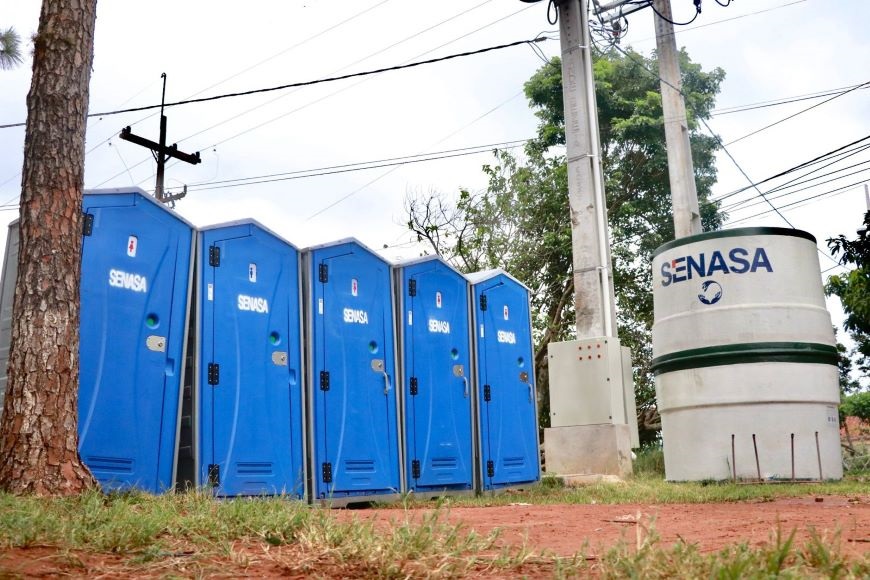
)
(194, 535)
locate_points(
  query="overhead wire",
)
(340, 90)
(801, 112)
(779, 102)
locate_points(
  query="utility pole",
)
(590, 244)
(684, 196)
(592, 410)
(161, 152)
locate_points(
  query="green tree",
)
(10, 49)
(520, 222)
(853, 290)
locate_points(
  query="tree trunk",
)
(39, 434)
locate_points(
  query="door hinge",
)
(214, 474)
(87, 224)
(415, 469)
(214, 373)
(412, 287)
(326, 471)
(487, 393)
(214, 256)
(324, 380)
(490, 468)
(323, 273)
(483, 301)
(414, 386)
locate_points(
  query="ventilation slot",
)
(444, 463)
(359, 466)
(513, 462)
(253, 468)
(112, 464)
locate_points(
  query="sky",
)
(769, 49)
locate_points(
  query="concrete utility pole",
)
(590, 243)
(684, 196)
(592, 409)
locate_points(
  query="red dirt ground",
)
(557, 529)
(564, 529)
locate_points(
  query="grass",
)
(194, 535)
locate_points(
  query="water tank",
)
(745, 358)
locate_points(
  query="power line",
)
(319, 81)
(778, 102)
(801, 112)
(743, 203)
(347, 87)
(832, 193)
(381, 176)
(797, 167)
(358, 166)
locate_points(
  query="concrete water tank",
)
(745, 358)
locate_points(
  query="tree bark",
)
(39, 435)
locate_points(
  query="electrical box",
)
(591, 383)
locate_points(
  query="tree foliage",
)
(10, 49)
(521, 221)
(853, 290)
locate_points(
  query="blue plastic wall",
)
(505, 374)
(134, 302)
(250, 405)
(436, 343)
(354, 425)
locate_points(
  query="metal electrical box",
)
(353, 400)
(591, 383)
(436, 377)
(135, 283)
(248, 389)
(506, 396)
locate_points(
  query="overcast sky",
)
(770, 49)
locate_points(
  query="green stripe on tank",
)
(743, 353)
(734, 233)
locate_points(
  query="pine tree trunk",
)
(39, 434)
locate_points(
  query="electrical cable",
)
(797, 167)
(316, 81)
(666, 19)
(340, 90)
(800, 181)
(779, 102)
(357, 166)
(838, 191)
(802, 111)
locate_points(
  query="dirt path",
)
(564, 529)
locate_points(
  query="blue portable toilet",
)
(507, 401)
(435, 346)
(350, 336)
(249, 381)
(135, 284)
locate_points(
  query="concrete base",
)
(588, 450)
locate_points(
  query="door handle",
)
(379, 367)
(465, 380)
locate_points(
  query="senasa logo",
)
(701, 266)
(506, 337)
(441, 326)
(356, 316)
(127, 281)
(253, 304)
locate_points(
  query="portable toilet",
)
(248, 384)
(435, 374)
(507, 401)
(353, 401)
(135, 282)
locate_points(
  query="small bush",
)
(650, 461)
